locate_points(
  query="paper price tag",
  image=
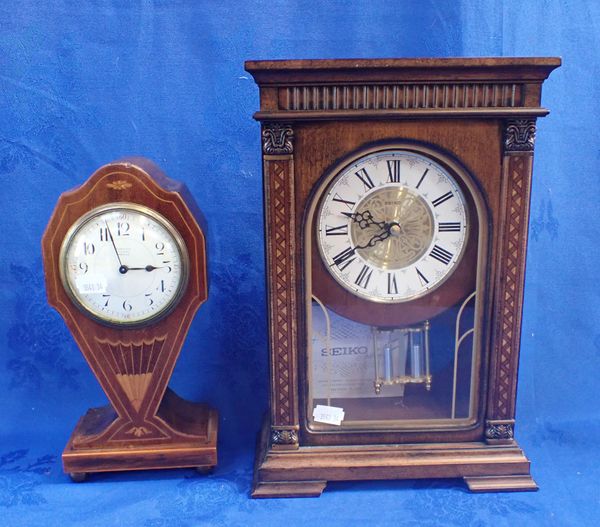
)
(330, 415)
(91, 284)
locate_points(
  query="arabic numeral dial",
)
(124, 264)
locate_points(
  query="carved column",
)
(519, 139)
(278, 167)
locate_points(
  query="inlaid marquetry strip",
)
(400, 96)
(135, 386)
(509, 286)
(133, 364)
(131, 358)
(280, 232)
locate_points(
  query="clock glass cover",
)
(124, 264)
(392, 239)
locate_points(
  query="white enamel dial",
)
(392, 226)
(124, 264)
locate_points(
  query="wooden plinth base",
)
(199, 452)
(500, 483)
(288, 489)
(305, 471)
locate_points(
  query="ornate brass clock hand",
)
(364, 219)
(375, 239)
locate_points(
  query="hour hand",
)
(364, 219)
(148, 268)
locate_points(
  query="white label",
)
(91, 284)
(328, 414)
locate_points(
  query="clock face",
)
(392, 226)
(124, 264)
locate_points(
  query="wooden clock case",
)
(146, 425)
(315, 114)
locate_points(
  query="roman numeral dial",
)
(392, 225)
(394, 170)
(441, 254)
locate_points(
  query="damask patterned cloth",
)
(84, 83)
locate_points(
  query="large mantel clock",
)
(125, 264)
(397, 201)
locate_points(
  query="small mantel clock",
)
(125, 264)
(396, 206)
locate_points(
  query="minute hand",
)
(375, 239)
(112, 240)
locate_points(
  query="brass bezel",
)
(159, 218)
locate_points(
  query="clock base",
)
(500, 483)
(305, 471)
(289, 489)
(180, 450)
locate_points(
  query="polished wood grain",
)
(316, 114)
(146, 425)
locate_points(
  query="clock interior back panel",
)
(338, 362)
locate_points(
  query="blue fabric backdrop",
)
(84, 83)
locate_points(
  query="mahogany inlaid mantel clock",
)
(397, 202)
(125, 263)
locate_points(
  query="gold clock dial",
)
(411, 225)
(124, 264)
(392, 226)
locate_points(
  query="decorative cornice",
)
(287, 436)
(519, 136)
(277, 139)
(399, 96)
